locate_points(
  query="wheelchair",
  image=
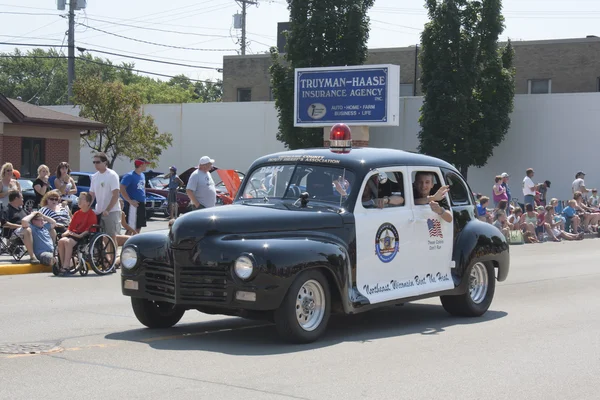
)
(12, 244)
(97, 251)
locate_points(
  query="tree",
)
(467, 81)
(322, 34)
(130, 133)
(43, 80)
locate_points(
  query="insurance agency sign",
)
(367, 95)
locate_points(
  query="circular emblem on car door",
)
(386, 242)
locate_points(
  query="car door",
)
(385, 242)
(434, 241)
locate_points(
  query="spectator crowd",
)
(537, 218)
(61, 215)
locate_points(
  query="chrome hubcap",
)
(478, 283)
(310, 305)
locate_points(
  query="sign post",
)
(363, 95)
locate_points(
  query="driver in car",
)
(423, 185)
(370, 199)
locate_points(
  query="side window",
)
(459, 192)
(425, 183)
(384, 190)
(82, 180)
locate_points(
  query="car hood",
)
(240, 219)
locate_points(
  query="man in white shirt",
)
(201, 186)
(105, 190)
(579, 185)
(529, 187)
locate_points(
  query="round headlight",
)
(244, 267)
(129, 257)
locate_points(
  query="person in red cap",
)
(133, 190)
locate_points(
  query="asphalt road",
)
(540, 340)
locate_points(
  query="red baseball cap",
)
(140, 161)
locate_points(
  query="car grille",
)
(202, 284)
(153, 204)
(160, 281)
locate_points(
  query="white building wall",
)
(234, 134)
(555, 134)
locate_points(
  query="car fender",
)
(480, 241)
(280, 259)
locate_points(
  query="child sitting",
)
(78, 228)
(482, 212)
(570, 213)
(502, 223)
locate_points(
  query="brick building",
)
(32, 135)
(542, 66)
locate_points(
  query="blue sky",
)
(209, 26)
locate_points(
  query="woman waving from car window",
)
(423, 186)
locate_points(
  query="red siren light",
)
(340, 139)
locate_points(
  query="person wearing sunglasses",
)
(52, 207)
(65, 184)
(7, 183)
(105, 189)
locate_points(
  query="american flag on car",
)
(435, 228)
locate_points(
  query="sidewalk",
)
(8, 265)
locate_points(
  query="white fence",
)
(556, 134)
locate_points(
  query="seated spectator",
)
(594, 200)
(7, 184)
(554, 227)
(14, 214)
(41, 229)
(571, 215)
(41, 184)
(502, 206)
(588, 215)
(79, 227)
(65, 184)
(558, 217)
(52, 207)
(502, 224)
(482, 212)
(517, 218)
(530, 223)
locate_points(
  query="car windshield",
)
(322, 183)
(159, 182)
(26, 184)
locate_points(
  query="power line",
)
(112, 54)
(146, 54)
(27, 13)
(398, 25)
(152, 43)
(50, 76)
(162, 20)
(31, 8)
(159, 30)
(104, 64)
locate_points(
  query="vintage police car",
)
(321, 231)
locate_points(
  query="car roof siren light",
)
(340, 139)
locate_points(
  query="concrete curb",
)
(19, 269)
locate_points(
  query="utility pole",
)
(244, 3)
(71, 55)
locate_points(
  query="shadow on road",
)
(237, 336)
